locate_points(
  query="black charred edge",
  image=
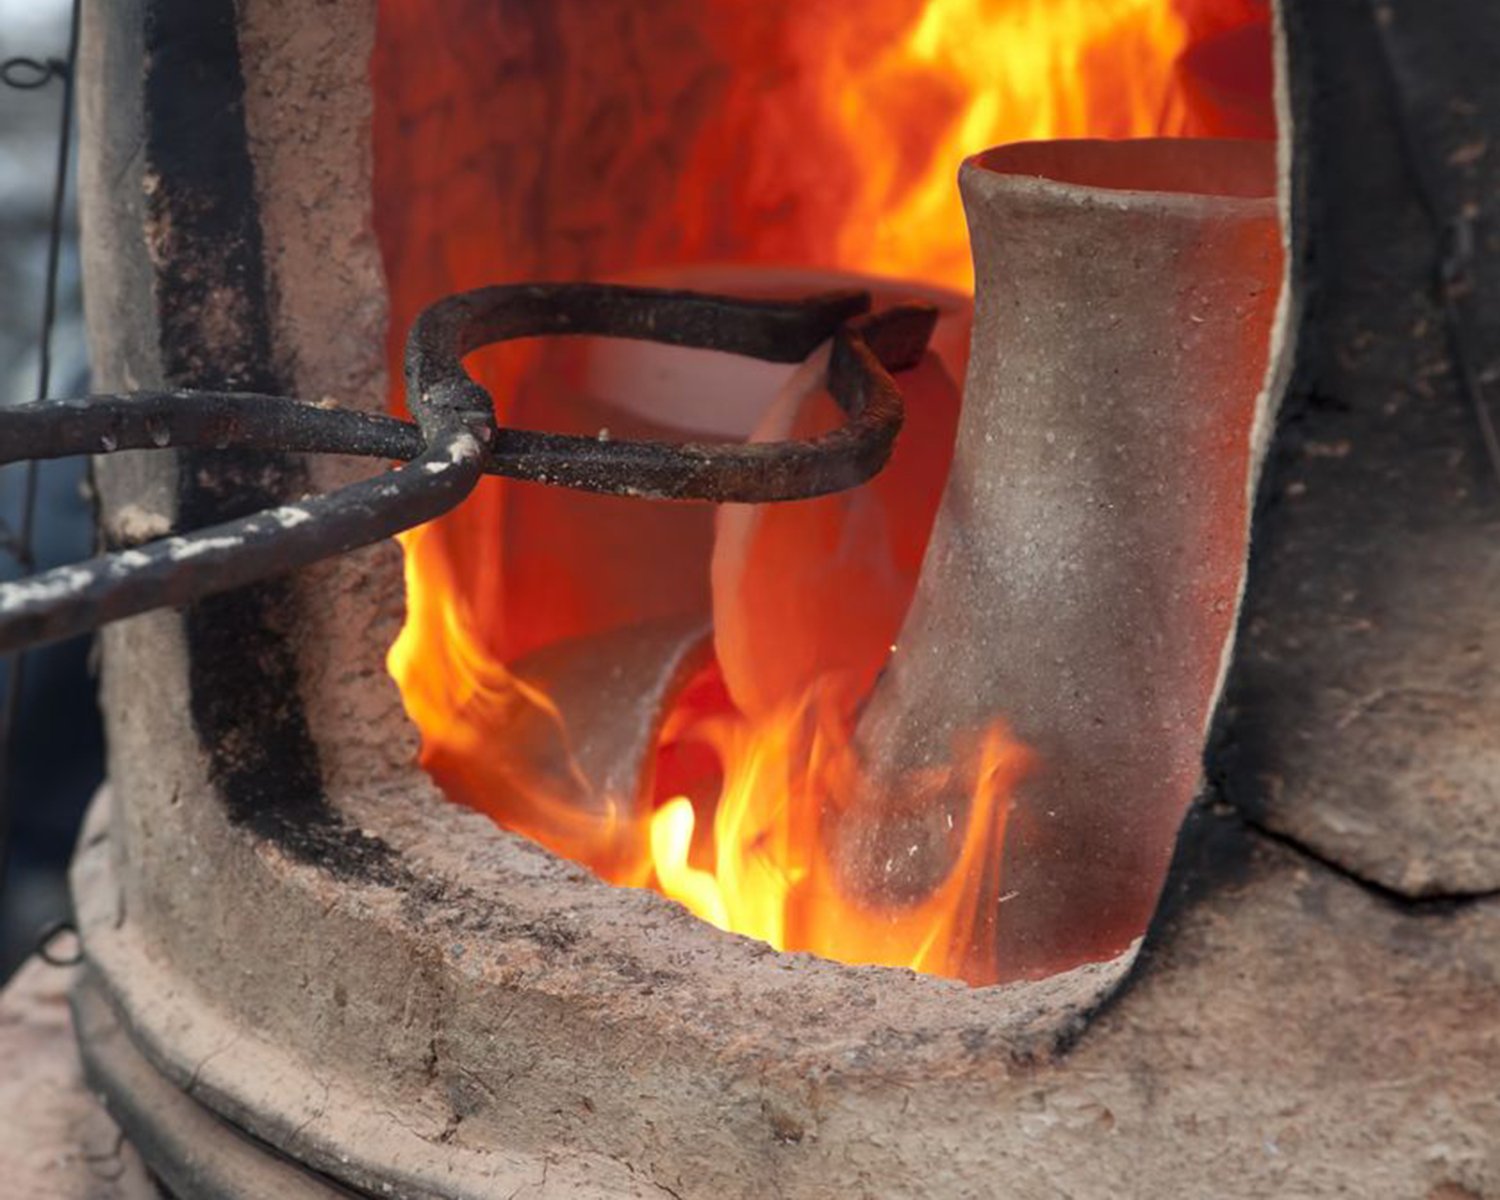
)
(1336, 77)
(215, 333)
(1220, 848)
(1237, 746)
(1214, 851)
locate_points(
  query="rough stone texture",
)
(193, 1154)
(307, 113)
(135, 491)
(56, 1143)
(1363, 714)
(1083, 572)
(1288, 1033)
(496, 1013)
(153, 319)
(1291, 1034)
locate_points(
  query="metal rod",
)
(455, 440)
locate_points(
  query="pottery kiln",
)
(289, 927)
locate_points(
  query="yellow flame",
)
(1010, 70)
(671, 839)
(905, 110)
(770, 876)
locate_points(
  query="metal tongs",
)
(455, 439)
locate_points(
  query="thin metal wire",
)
(28, 77)
(27, 74)
(47, 944)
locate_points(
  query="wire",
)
(29, 74)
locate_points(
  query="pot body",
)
(1084, 571)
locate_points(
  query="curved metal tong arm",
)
(455, 440)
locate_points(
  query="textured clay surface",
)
(1362, 717)
(1085, 567)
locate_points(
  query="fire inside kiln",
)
(673, 695)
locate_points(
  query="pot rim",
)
(1187, 174)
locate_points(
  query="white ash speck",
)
(465, 446)
(132, 523)
(288, 516)
(50, 585)
(180, 548)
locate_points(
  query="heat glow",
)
(848, 161)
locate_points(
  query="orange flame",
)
(878, 103)
(771, 877)
(768, 875)
(1000, 71)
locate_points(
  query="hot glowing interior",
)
(602, 138)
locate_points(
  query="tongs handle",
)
(456, 439)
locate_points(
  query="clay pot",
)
(1085, 566)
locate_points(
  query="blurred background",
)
(56, 747)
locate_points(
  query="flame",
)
(843, 147)
(998, 71)
(772, 877)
